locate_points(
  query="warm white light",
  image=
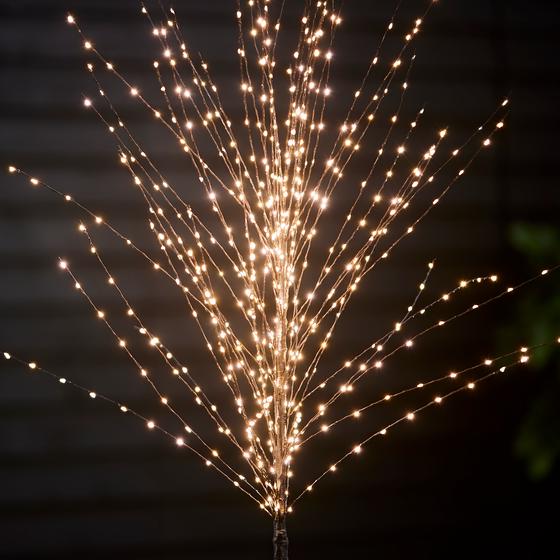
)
(268, 278)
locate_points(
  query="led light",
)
(254, 277)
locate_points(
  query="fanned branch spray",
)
(264, 292)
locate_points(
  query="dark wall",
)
(78, 480)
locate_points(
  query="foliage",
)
(537, 317)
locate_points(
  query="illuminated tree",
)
(265, 274)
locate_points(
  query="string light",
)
(288, 293)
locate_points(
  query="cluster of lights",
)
(281, 188)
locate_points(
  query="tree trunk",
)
(280, 537)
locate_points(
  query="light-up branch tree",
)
(265, 294)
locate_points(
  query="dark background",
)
(79, 481)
